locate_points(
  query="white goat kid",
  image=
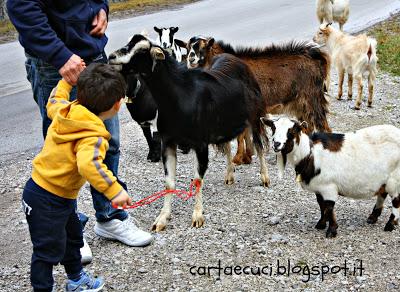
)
(355, 55)
(360, 165)
(333, 10)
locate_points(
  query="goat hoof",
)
(153, 157)
(389, 227)
(161, 221)
(320, 225)
(198, 220)
(349, 97)
(331, 233)
(370, 105)
(372, 220)
(265, 181)
(158, 227)
(357, 108)
(229, 181)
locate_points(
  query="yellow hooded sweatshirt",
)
(74, 149)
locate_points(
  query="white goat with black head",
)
(166, 40)
(360, 164)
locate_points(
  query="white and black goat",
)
(197, 108)
(360, 164)
(166, 40)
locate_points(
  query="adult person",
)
(56, 36)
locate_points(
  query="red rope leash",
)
(183, 195)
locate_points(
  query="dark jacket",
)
(54, 30)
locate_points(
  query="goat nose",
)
(276, 145)
(164, 45)
(112, 56)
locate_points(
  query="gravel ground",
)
(246, 224)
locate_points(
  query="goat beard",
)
(281, 161)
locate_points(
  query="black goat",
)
(143, 110)
(197, 108)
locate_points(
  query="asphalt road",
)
(249, 22)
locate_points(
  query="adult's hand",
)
(99, 24)
(71, 70)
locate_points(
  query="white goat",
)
(355, 55)
(360, 165)
(333, 10)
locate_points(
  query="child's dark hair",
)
(100, 86)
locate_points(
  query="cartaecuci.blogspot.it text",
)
(286, 268)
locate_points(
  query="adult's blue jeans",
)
(43, 78)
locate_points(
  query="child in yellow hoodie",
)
(73, 153)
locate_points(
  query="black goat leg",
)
(201, 168)
(156, 147)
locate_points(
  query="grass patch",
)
(387, 34)
(6, 27)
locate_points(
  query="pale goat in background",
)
(355, 55)
(333, 10)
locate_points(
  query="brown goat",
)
(291, 77)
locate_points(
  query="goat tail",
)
(260, 138)
(371, 53)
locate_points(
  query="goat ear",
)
(266, 121)
(174, 29)
(274, 109)
(157, 53)
(296, 127)
(304, 125)
(180, 43)
(210, 42)
(157, 29)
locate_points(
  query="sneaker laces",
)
(87, 279)
(131, 223)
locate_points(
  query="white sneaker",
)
(86, 253)
(124, 231)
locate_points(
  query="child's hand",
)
(122, 200)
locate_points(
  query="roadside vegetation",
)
(387, 33)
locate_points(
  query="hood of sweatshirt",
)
(74, 122)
